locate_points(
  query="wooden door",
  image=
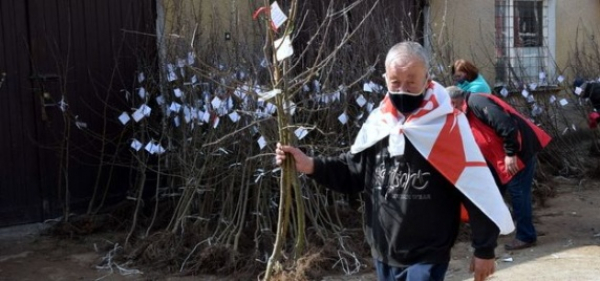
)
(74, 58)
(20, 199)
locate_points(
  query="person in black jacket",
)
(510, 144)
(591, 95)
(591, 92)
(412, 210)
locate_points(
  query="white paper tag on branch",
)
(175, 107)
(375, 87)
(578, 90)
(262, 142)
(326, 99)
(124, 118)
(229, 104)
(181, 62)
(343, 118)
(264, 63)
(560, 79)
(191, 57)
(301, 133)
(533, 86)
(81, 125)
(157, 149)
(269, 95)
(136, 145)
(563, 102)
(177, 92)
(141, 77)
(234, 116)
(142, 112)
(216, 102)
(137, 115)
(552, 99)
(284, 48)
(316, 86)
(530, 99)
(504, 92)
(270, 108)
(194, 113)
(160, 100)
(525, 93)
(367, 87)
(336, 96)
(142, 92)
(149, 147)
(187, 114)
(206, 117)
(277, 15)
(537, 110)
(146, 110)
(370, 107)
(172, 76)
(160, 149)
(361, 101)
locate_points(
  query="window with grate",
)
(522, 51)
(527, 21)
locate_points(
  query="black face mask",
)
(406, 104)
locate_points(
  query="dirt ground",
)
(569, 249)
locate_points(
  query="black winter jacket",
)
(506, 126)
(411, 212)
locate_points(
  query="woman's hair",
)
(467, 67)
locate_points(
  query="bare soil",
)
(569, 249)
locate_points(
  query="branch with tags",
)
(281, 49)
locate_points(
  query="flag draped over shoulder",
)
(443, 136)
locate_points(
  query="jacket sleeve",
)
(484, 232)
(498, 119)
(344, 173)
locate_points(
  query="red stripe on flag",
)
(448, 154)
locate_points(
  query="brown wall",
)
(467, 27)
(205, 24)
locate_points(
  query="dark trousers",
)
(519, 189)
(415, 272)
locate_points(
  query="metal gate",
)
(65, 63)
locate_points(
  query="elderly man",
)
(415, 161)
(509, 143)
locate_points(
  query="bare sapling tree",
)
(287, 78)
(203, 197)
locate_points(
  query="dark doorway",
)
(66, 63)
